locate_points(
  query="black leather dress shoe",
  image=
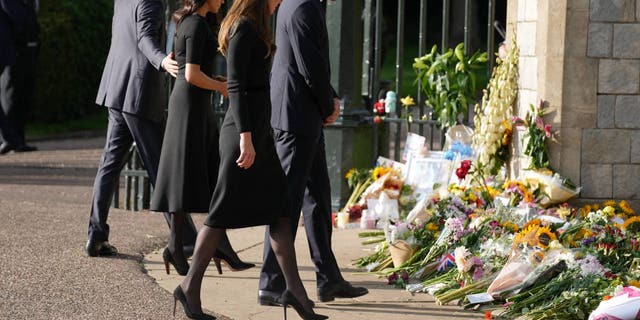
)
(272, 299)
(340, 290)
(99, 248)
(9, 148)
(6, 148)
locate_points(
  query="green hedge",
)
(75, 37)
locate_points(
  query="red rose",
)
(465, 164)
(377, 120)
(461, 173)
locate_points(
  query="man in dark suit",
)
(19, 42)
(302, 102)
(131, 88)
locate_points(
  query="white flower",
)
(462, 263)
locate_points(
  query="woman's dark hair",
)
(256, 12)
(191, 6)
(188, 8)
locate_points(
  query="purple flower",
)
(588, 241)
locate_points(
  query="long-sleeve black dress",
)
(258, 195)
(189, 159)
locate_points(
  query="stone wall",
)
(611, 162)
(583, 57)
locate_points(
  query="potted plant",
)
(450, 81)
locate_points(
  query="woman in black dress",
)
(189, 159)
(251, 186)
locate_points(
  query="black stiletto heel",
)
(178, 295)
(234, 263)
(289, 299)
(168, 259)
(216, 261)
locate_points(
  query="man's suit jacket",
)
(301, 92)
(13, 15)
(132, 80)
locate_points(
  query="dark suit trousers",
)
(304, 162)
(18, 83)
(10, 84)
(122, 131)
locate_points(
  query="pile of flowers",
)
(560, 263)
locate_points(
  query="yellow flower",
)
(609, 203)
(563, 212)
(536, 257)
(544, 237)
(432, 227)
(596, 207)
(350, 173)
(407, 101)
(585, 210)
(533, 222)
(609, 211)
(632, 224)
(510, 226)
(380, 171)
(626, 208)
(634, 283)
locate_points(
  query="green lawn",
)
(93, 122)
(388, 71)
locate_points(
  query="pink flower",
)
(547, 130)
(539, 123)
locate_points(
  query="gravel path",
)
(45, 199)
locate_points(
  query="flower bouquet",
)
(555, 188)
(528, 251)
(624, 305)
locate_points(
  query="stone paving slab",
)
(234, 294)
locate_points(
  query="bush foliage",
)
(75, 37)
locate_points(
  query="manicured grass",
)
(388, 71)
(93, 122)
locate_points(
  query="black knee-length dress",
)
(189, 159)
(258, 195)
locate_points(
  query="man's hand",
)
(336, 113)
(170, 65)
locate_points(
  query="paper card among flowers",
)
(413, 146)
(423, 172)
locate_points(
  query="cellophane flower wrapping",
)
(553, 186)
(625, 305)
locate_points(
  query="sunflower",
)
(595, 207)
(544, 236)
(632, 224)
(526, 236)
(350, 173)
(380, 171)
(626, 208)
(536, 257)
(609, 203)
(535, 222)
(584, 211)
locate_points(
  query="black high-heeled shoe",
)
(181, 269)
(232, 261)
(178, 295)
(289, 299)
